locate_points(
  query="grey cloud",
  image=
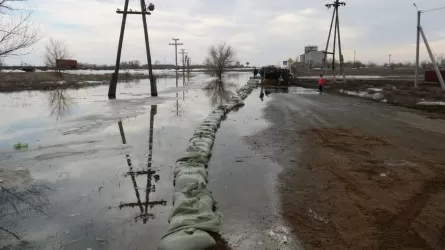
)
(263, 32)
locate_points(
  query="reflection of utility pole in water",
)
(183, 84)
(143, 206)
(177, 95)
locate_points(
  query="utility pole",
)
(145, 10)
(354, 58)
(416, 81)
(336, 19)
(183, 53)
(188, 65)
(115, 75)
(430, 52)
(389, 63)
(185, 62)
(176, 44)
(153, 87)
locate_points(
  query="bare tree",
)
(219, 58)
(55, 50)
(16, 33)
(440, 59)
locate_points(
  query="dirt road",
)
(357, 174)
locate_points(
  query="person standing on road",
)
(321, 83)
(262, 74)
(255, 72)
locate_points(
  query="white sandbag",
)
(188, 179)
(187, 239)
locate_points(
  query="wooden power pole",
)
(145, 10)
(335, 21)
(176, 44)
(188, 65)
(183, 54)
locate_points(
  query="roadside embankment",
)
(428, 96)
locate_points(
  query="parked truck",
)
(66, 64)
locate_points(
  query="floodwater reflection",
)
(219, 92)
(60, 103)
(151, 176)
(184, 82)
(19, 197)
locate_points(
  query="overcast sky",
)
(261, 31)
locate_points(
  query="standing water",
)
(97, 174)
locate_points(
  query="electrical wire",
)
(431, 10)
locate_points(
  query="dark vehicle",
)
(66, 64)
(28, 69)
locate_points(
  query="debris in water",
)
(21, 146)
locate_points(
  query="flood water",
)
(97, 173)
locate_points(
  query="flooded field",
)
(97, 174)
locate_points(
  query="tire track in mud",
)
(378, 181)
(397, 232)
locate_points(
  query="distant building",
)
(312, 57)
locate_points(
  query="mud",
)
(357, 174)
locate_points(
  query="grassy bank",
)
(17, 81)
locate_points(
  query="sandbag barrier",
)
(194, 214)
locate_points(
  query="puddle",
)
(288, 90)
(97, 173)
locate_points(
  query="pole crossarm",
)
(335, 4)
(131, 12)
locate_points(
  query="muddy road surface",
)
(356, 174)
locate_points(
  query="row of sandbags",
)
(194, 216)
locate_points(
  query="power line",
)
(431, 10)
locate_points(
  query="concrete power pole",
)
(145, 10)
(420, 32)
(336, 23)
(176, 44)
(416, 82)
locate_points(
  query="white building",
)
(312, 57)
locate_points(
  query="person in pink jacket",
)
(321, 83)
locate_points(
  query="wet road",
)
(97, 173)
(244, 183)
(414, 138)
